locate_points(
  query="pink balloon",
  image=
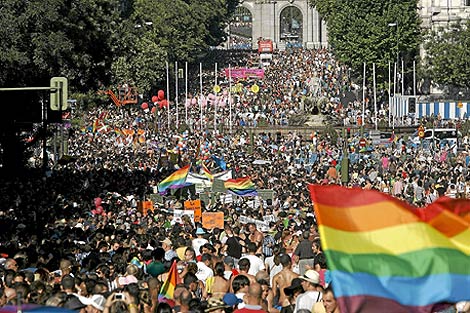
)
(98, 201)
(225, 92)
(193, 101)
(154, 99)
(154, 109)
(145, 106)
(211, 96)
(222, 104)
(161, 95)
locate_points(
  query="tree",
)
(71, 38)
(359, 31)
(447, 60)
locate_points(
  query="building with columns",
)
(294, 22)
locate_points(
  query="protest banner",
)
(260, 225)
(194, 205)
(178, 215)
(211, 220)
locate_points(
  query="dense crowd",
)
(77, 237)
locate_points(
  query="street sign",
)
(421, 132)
(60, 96)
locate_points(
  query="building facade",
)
(294, 22)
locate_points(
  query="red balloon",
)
(145, 106)
(98, 201)
(154, 99)
(154, 109)
(161, 95)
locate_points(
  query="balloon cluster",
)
(98, 210)
(159, 100)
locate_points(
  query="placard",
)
(266, 194)
(211, 220)
(178, 214)
(194, 205)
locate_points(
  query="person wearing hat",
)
(291, 292)
(215, 305)
(199, 241)
(311, 285)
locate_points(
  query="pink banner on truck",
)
(245, 72)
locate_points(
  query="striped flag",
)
(207, 173)
(242, 187)
(387, 256)
(167, 291)
(174, 181)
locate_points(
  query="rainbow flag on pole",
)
(387, 256)
(174, 181)
(207, 173)
(242, 187)
(167, 290)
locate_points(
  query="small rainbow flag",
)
(174, 181)
(207, 173)
(167, 291)
(387, 256)
(242, 187)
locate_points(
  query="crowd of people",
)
(76, 237)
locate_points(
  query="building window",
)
(466, 3)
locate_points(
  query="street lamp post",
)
(395, 24)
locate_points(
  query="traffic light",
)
(412, 105)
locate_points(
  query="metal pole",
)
(176, 94)
(215, 99)
(186, 90)
(44, 141)
(363, 96)
(402, 77)
(389, 91)
(200, 96)
(230, 96)
(395, 80)
(375, 97)
(414, 77)
(168, 93)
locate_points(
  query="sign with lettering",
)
(211, 220)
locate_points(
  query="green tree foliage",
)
(447, 59)
(45, 38)
(93, 42)
(359, 31)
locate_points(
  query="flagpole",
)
(176, 93)
(402, 77)
(168, 92)
(389, 92)
(200, 96)
(230, 96)
(215, 99)
(186, 90)
(363, 97)
(375, 98)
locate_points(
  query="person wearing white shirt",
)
(203, 268)
(199, 241)
(256, 264)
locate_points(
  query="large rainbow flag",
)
(242, 187)
(174, 181)
(167, 290)
(387, 256)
